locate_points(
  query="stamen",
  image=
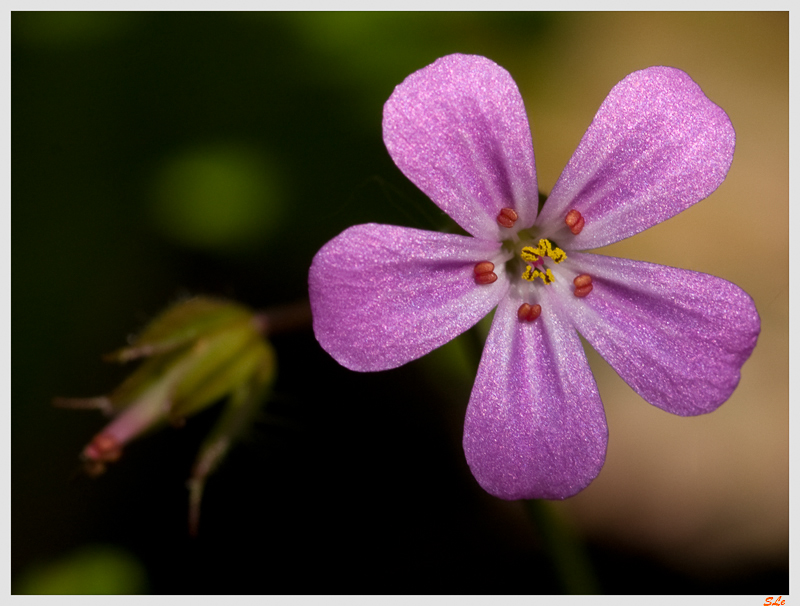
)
(507, 217)
(484, 272)
(528, 313)
(583, 285)
(574, 221)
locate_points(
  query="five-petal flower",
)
(535, 427)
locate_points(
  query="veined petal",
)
(459, 131)
(382, 295)
(656, 146)
(679, 338)
(535, 425)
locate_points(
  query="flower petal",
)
(382, 295)
(656, 146)
(535, 425)
(459, 131)
(679, 338)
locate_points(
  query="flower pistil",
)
(535, 256)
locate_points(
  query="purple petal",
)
(459, 131)
(535, 425)
(656, 146)
(382, 295)
(677, 337)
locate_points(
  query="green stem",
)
(567, 551)
(284, 318)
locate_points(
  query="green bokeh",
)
(70, 29)
(218, 198)
(91, 570)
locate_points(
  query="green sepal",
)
(240, 410)
(226, 361)
(146, 377)
(179, 325)
(195, 349)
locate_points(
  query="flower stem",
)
(566, 550)
(284, 318)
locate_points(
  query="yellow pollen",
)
(531, 274)
(545, 249)
(532, 255)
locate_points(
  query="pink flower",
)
(535, 426)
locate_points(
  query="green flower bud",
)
(197, 352)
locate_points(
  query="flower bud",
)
(197, 352)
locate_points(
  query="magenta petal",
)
(459, 131)
(383, 295)
(656, 146)
(535, 425)
(677, 337)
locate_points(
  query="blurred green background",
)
(157, 155)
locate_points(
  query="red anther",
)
(528, 313)
(572, 218)
(583, 285)
(507, 217)
(484, 272)
(484, 267)
(582, 280)
(574, 221)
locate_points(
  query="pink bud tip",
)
(103, 448)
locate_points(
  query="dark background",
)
(157, 155)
